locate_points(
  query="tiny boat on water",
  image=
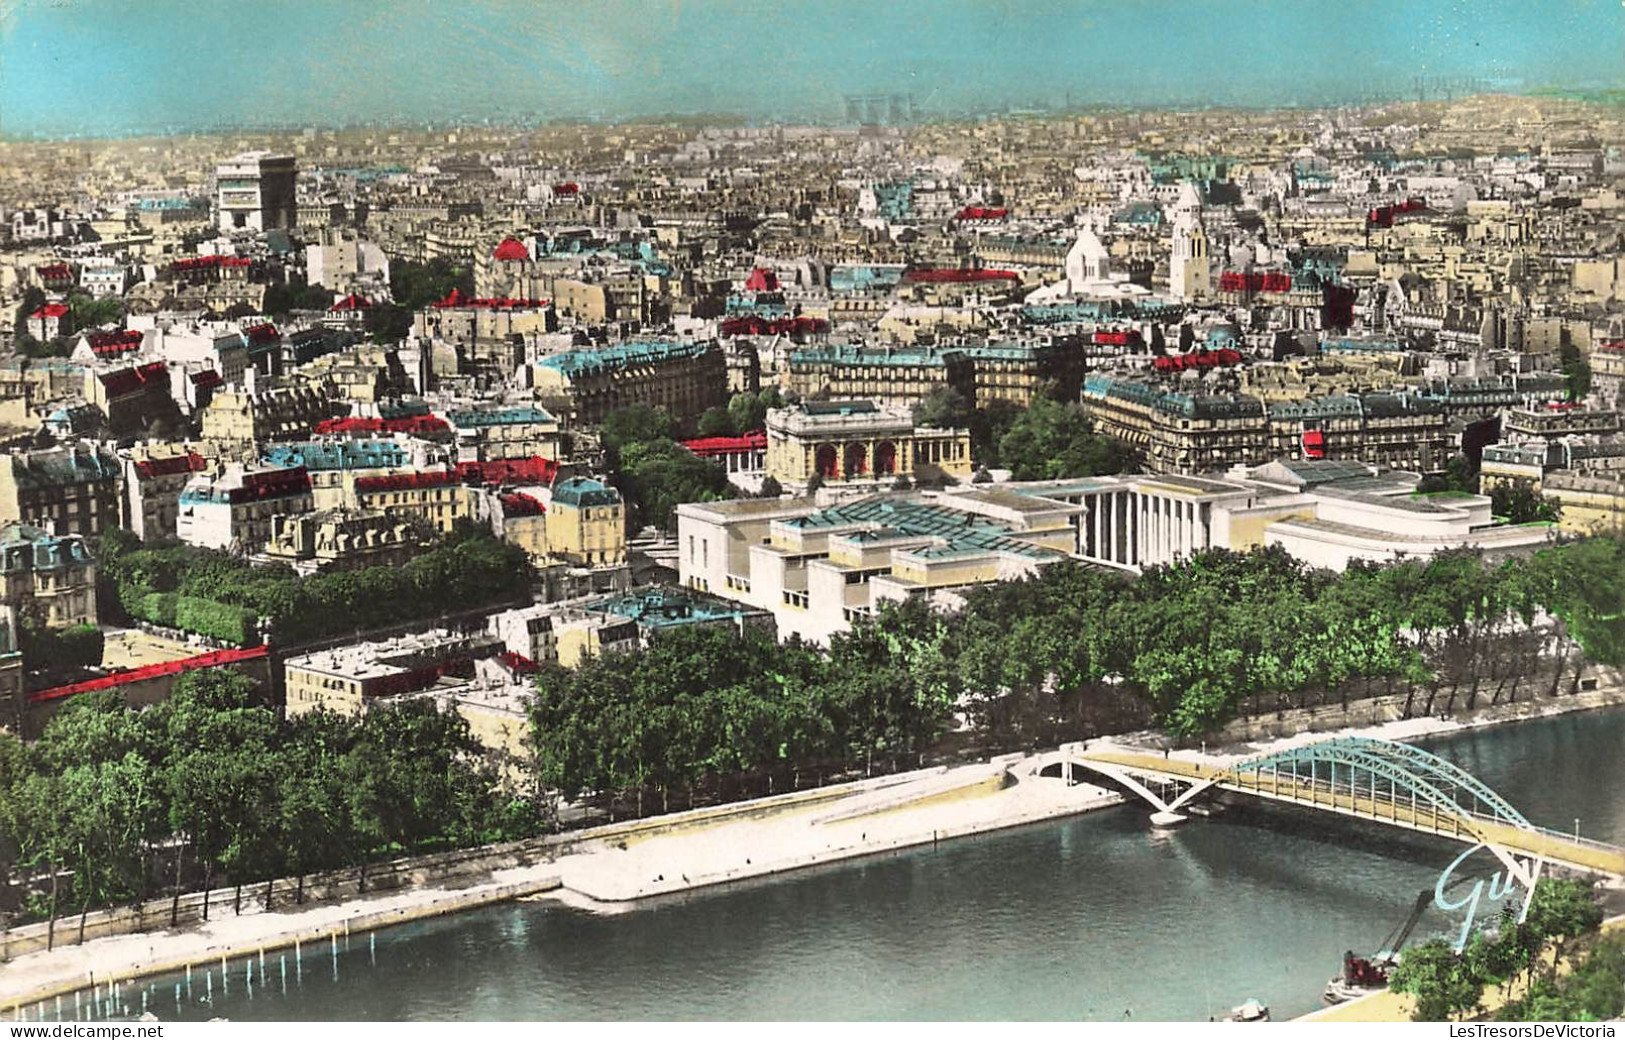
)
(1252, 1010)
(1359, 977)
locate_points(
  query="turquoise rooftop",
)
(582, 491)
(664, 607)
(1195, 406)
(64, 467)
(499, 416)
(858, 279)
(337, 454)
(24, 547)
(965, 533)
(839, 355)
(623, 355)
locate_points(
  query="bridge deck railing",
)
(1572, 839)
(1379, 805)
(1321, 785)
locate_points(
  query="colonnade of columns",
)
(743, 461)
(1134, 529)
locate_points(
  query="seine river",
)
(1096, 917)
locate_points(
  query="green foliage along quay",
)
(219, 595)
(110, 803)
(1593, 992)
(100, 801)
(1449, 985)
(1198, 642)
(702, 702)
(1069, 652)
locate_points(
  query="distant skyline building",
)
(881, 109)
(1189, 275)
(255, 190)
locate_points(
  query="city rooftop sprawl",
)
(763, 378)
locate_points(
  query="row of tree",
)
(1447, 985)
(1593, 992)
(221, 595)
(1205, 639)
(701, 702)
(105, 795)
(58, 654)
(1074, 651)
(113, 804)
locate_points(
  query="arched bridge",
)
(1377, 780)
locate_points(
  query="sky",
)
(96, 67)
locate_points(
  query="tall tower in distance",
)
(1189, 275)
(255, 191)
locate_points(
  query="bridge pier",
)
(1163, 820)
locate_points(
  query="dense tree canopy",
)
(1576, 372)
(1520, 503)
(90, 312)
(716, 422)
(58, 652)
(416, 285)
(949, 409)
(1051, 440)
(745, 412)
(33, 299)
(106, 790)
(655, 477)
(295, 295)
(1447, 985)
(654, 473)
(703, 701)
(636, 424)
(1593, 992)
(220, 595)
(388, 322)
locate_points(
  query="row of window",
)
(859, 577)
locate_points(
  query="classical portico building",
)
(818, 566)
(855, 442)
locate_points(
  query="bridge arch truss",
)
(1384, 770)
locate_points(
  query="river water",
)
(1096, 917)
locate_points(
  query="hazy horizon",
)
(78, 68)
